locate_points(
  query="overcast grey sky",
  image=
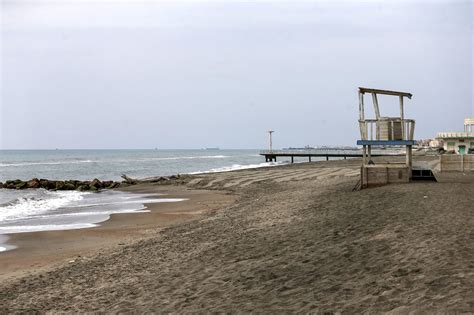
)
(189, 74)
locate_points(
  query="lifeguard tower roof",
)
(386, 92)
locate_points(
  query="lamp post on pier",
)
(270, 134)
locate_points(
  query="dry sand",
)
(296, 239)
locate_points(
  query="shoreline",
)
(32, 252)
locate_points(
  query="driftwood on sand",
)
(129, 180)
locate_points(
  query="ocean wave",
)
(65, 162)
(138, 201)
(141, 209)
(46, 227)
(45, 163)
(186, 157)
(236, 167)
(47, 200)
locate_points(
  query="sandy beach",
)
(293, 238)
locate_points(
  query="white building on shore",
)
(459, 142)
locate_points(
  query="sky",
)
(194, 74)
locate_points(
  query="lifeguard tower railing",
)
(390, 129)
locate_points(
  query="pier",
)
(271, 155)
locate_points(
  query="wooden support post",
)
(327, 157)
(412, 130)
(361, 106)
(362, 124)
(364, 158)
(402, 117)
(409, 160)
(369, 151)
(309, 157)
(292, 160)
(376, 106)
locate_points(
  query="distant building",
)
(435, 144)
(459, 142)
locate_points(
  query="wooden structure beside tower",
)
(387, 132)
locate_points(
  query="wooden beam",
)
(364, 155)
(386, 92)
(409, 160)
(376, 106)
(402, 116)
(361, 106)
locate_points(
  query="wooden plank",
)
(376, 106)
(386, 92)
(361, 106)
(402, 116)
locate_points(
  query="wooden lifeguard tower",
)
(386, 132)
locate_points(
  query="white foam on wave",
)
(142, 209)
(137, 201)
(45, 163)
(2, 249)
(236, 167)
(187, 157)
(39, 228)
(28, 206)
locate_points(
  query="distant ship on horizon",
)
(211, 149)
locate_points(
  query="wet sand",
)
(296, 239)
(41, 251)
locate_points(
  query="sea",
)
(33, 210)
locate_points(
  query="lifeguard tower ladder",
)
(384, 131)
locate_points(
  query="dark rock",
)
(107, 183)
(96, 184)
(83, 187)
(174, 177)
(34, 183)
(44, 183)
(1, 185)
(47, 184)
(72, 182)
(60, 185)
(21, 185)
(11, 184)
(69, 186)
(93, 188)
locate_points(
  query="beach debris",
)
(129, 180)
